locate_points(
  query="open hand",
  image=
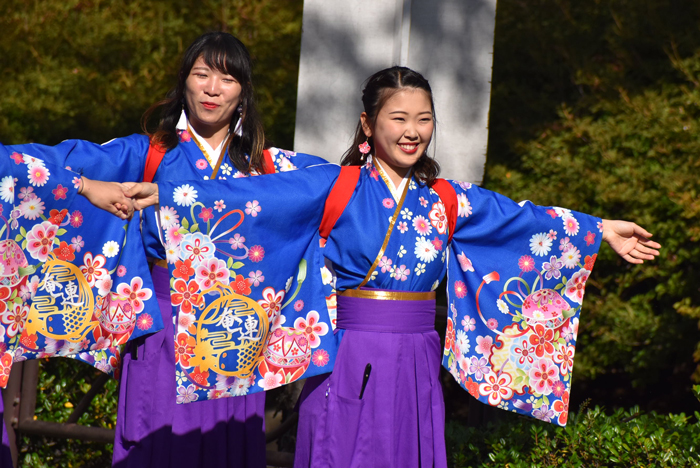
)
(630, 241)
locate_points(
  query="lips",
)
(209, 105)
(409, 148)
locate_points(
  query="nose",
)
(411, 132)
(212, 87)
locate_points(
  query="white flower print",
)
(425, 250)
(464, 263)
(540, 244)
(571, 257)
(462, 341)
(225, 169)
(185, 195)
(420, 268)
(412, 185)
(402, 252)
(465, 208)
(502, 306)
(168, 216)
(571, 226)
(110, 249)
(7, 189)
(406, 214)
(562, 212)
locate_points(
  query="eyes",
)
(227, 79)
(423, 120)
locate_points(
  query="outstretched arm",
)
(630, 241)
(108, 196)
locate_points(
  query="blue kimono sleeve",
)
(285, 161)
(74, 277)
(516, 280)
(247, 281)
(119, 160)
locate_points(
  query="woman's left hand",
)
(630, 241)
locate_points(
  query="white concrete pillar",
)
(449, 41)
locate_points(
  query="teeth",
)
(408, 147)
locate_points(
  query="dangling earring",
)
(239, 125)
(365, 148)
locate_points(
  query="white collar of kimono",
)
(396, 192)
(212, 155)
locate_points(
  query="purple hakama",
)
(5, 453)
(400, 421)
(153, 431)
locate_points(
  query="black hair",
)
(377, 90)
(222, 52)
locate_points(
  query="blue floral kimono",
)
(251, 310)
(151, 429)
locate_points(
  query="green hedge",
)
(592, 438)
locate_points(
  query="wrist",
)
(606, 230)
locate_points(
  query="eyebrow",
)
(406, 113)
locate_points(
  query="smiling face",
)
(402, 131)
(212, 97)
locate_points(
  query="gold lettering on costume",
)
(63, 306)
(232, 324)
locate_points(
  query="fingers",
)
(131, 189)
(640, 231)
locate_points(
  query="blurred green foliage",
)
(595, 107)
(90, 68)
(593, 438)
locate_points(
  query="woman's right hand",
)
(142, 194)
(108, 196)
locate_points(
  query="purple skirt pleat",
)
(154, 431)
(5, 453)
(400, 421)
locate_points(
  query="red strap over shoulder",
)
(268, 165)
(338, 198)
(447, 194)
(153, 159)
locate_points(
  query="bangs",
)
(220, 58)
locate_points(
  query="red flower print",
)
(320, 357)
(183, 269)
(298, 305)
(241, 285)
(64, 252)
(542, 340)
(28, 341)
(56, 217)
(184, 136)
(552, 213)
(206, 214)
(589, 261)
(437, 243)
(256, 253)
(4, 294)
(472, 388)
(312, 327)
(543, 374)
(526, 263)
(438, 218)
(271, 301)
(135, 293)
(185, 295)
(59, 193)
(76, 219)
(121, 271)
(388, 203)
(449, 336)
(201, 164)
(199, 376)
(460, 289)
(497, 387)
(184, 349)
(5, 367)
(524, 352)
(17, 157)
(589, 238)
(563, 408)
(40, 240)
(144, 322)
(211, 272)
